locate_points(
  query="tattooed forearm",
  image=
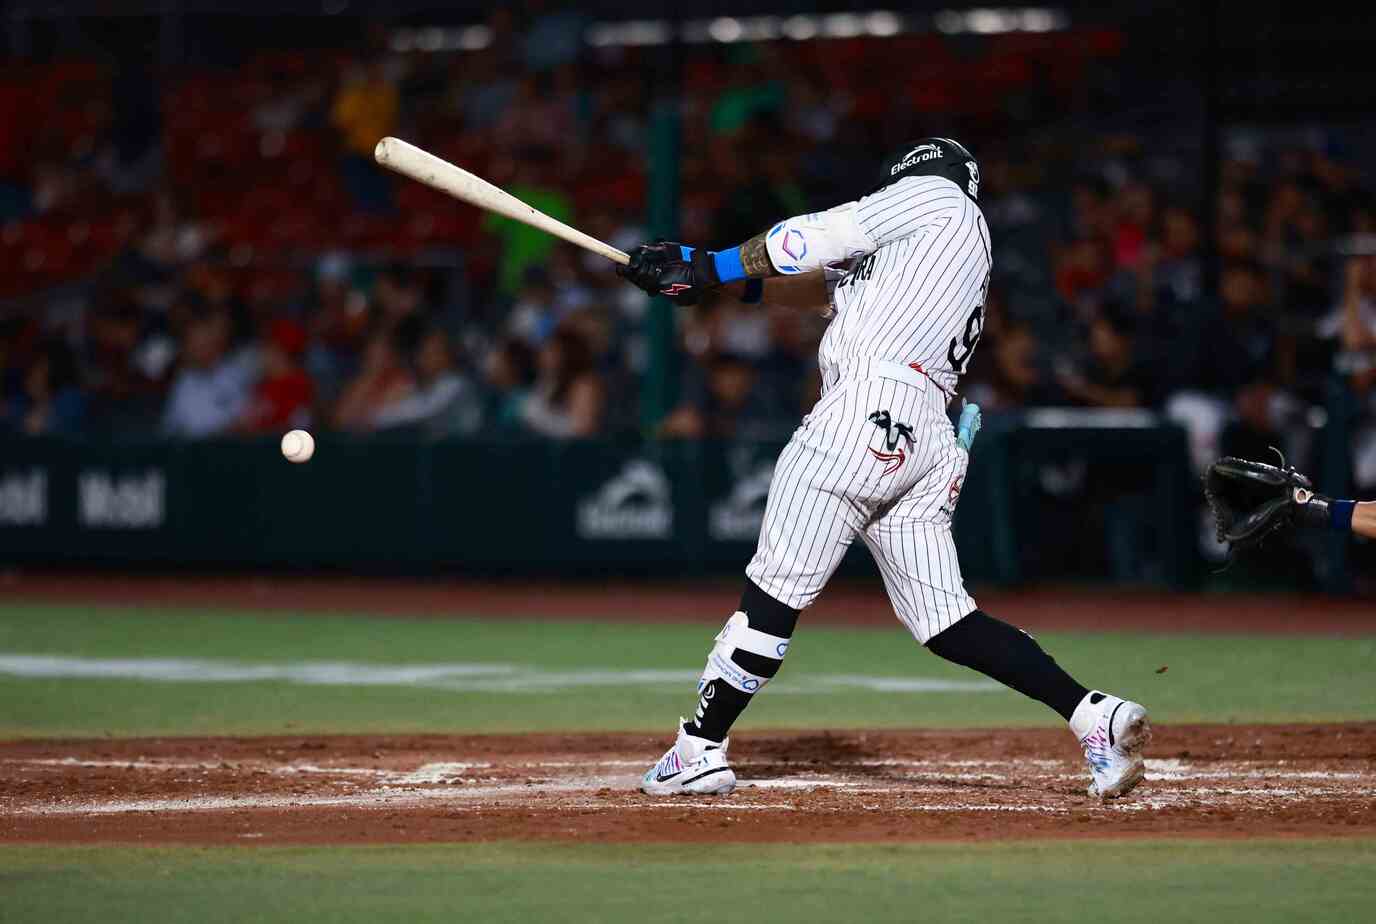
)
(755, 258)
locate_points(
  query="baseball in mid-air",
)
(298, 446)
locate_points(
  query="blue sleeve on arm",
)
(1340, 512)
(687, 253)
(729, 268)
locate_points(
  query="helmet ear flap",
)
(972, 182)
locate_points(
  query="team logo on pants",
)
(953, 496)
(895, 432)
(894, 460)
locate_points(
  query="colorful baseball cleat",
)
(1112, 732)
(693, 766)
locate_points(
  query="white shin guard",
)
(737, 635)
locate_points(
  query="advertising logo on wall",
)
(737, 517)
(24, 497)
(121, 501)
(636, 503)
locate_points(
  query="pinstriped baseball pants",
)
(844, 474)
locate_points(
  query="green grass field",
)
(557, 665)
(1146, 881)
(88, 671)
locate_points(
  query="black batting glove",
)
(647, 260)
(659, 269)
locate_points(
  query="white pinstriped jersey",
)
(877, 458)
(918, 298)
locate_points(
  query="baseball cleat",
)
(1112, 732)
(693, 766)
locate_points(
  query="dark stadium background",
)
(1181, 201)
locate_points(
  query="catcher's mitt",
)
(1251, 500)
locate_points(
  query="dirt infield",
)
(1219, 780)
(1223, 781)
(848, 603)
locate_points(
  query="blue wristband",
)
(728, 262)
(686, 252)
(1340, 514)
(754, 291)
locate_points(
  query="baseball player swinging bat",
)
(904, 273)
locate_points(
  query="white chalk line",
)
(468, 801)
(457, 677)
(1161, 770)
(399, 788)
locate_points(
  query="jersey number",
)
(974, 326)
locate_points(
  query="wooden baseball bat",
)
(424, 167)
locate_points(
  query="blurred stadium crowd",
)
(212, 251)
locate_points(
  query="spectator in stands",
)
(50, 402)
(1357, 317)
(338, 319)
(398, 294)
(1259, 409)
(510, 374)
(535, 117)
(1295, 236)
(444, 401)
(1116, 374)
(1082, 268)
(721, 402)
(13, 333)
(483, 90)
(1134, 223)
(1175, 268)
(1246, 325)
(741, 330)
(172, 241)
(56, 186)
(1164, 288)
(136, 127)
(568, 398)
(382, 379)
(125, 370)
(753, 90)
(551, 293)
(532, 179)
(284, 394)
(1356, 312)
(211, 389)
(364, 111)
(755, 169)
(533, 314)
(1007, 372)
(1231, 350)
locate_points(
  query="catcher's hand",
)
(660, 269)
(1251, 500)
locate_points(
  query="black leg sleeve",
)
(1012, 657)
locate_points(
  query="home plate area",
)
(1220, 780)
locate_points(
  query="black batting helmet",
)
(932, 157)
